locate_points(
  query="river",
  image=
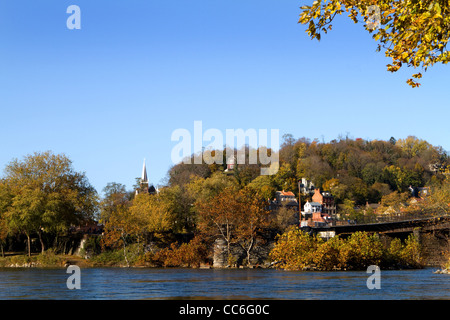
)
(137, 283)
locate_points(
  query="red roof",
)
(287, 193)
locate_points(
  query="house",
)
(326, 200)
(284, 199)
(311, 207)
(231, 162)
(306, 186)
(313, 215)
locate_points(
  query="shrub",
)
(48, 258)
(297, 250)
(360, 250)
(327, 255)
(410, 254)
(184, 255)
(294, 249)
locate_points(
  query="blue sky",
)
(111, 94)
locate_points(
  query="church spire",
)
(144, 174)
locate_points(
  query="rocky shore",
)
(443, 271)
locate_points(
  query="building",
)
(311, 207)
(287, 200)
(326, 200)
(143, 183)
(313, 215)
(306, 187)
(284, 199)
(231, 162)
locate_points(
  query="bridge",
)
(432, 232)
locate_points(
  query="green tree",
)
(47, 195)
(115, 195)
(179, 203)
(413, 33)
(5, 203)
(264, 185)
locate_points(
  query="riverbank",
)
(51, 260)
(45, 260)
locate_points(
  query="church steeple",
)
(143, 184)
(144, 174)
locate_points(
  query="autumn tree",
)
(217, 216)
(150, 214)
(252, 218)
(394, 201)
(46, 195)
(412, 33)
(234, 215)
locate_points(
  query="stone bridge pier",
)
(435, 245)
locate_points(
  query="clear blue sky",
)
(111, 94)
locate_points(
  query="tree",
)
(252, 219)
(294, 250)
(394, 201)
(118, 228)
(438, 202)
(149, 214)
(413, 146)
(285, 218)
(5, 202)
(264, 186)
(47, 195)
(179, 203)
(413, 33)
(236, 216)
(115, 195)
(217, 216)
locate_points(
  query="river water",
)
(136, 283)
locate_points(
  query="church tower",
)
(143, 184)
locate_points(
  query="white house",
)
(311, 207)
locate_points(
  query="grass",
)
(48, 259)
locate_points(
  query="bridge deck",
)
(405, 226)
